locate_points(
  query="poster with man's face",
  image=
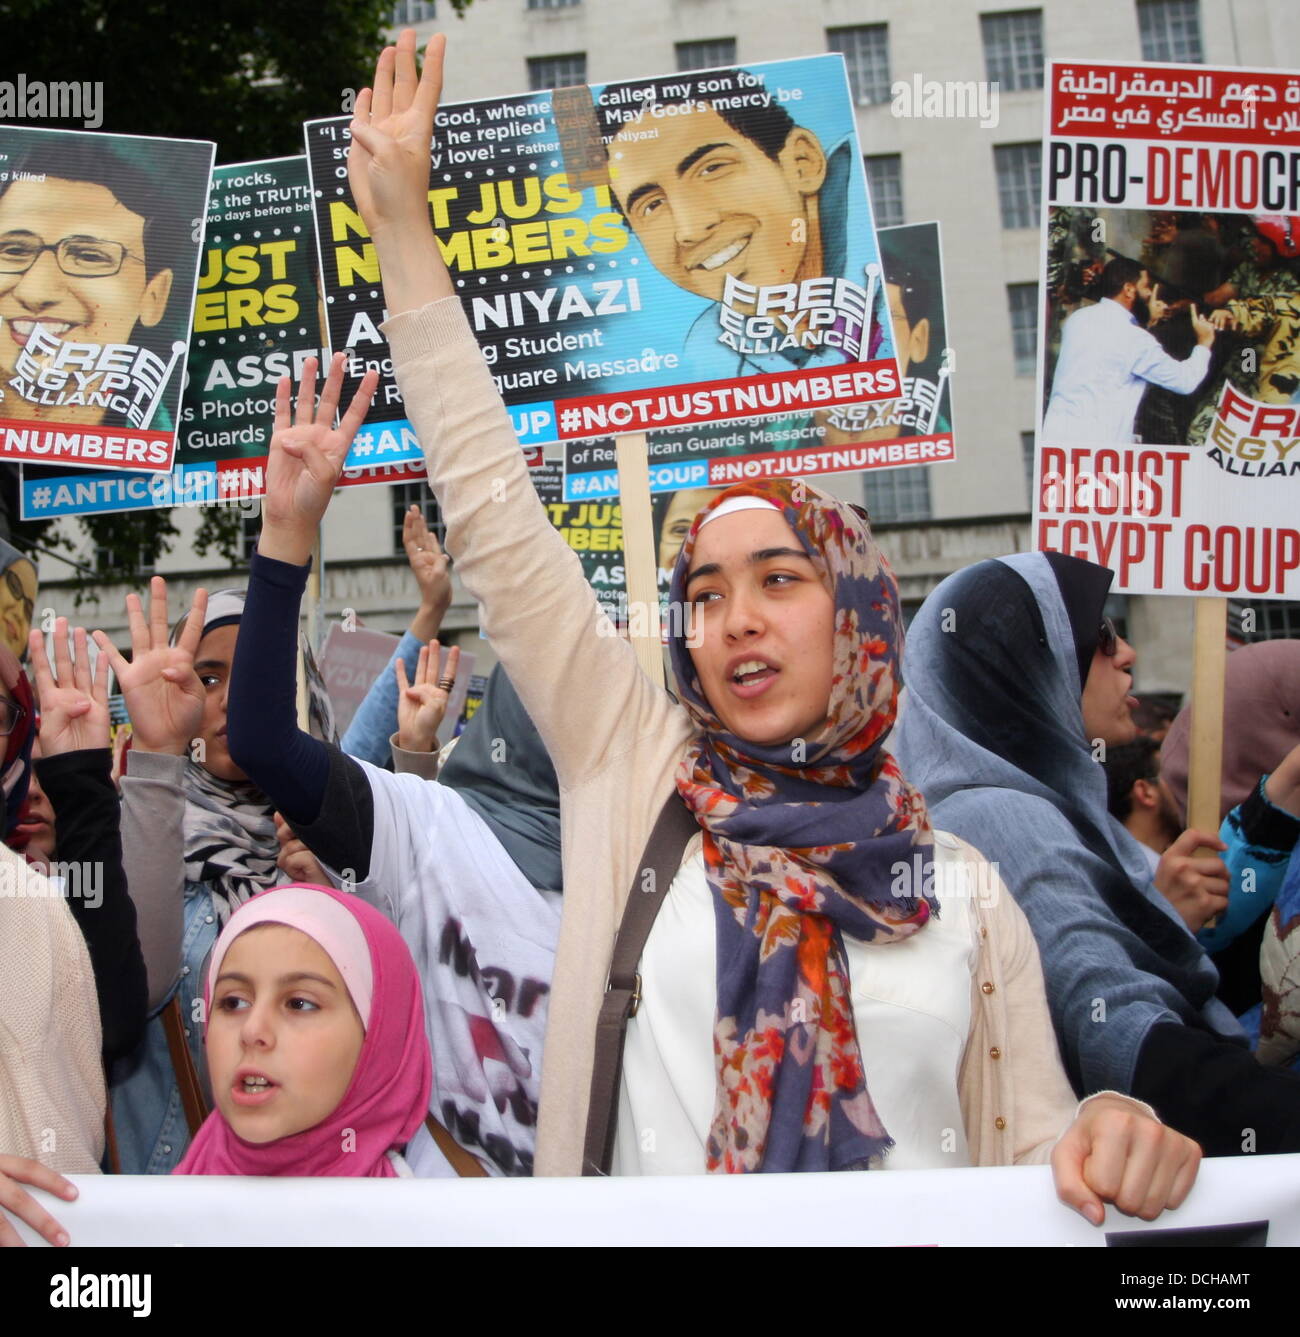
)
(99, 246)
(916, 428)
(696, 248)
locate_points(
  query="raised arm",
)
(164, 701)
(75, 770)
(319, 789)
(537, 608)
(372, 726)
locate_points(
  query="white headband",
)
(734, 504)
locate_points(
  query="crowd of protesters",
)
(894, 930)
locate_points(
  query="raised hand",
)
(422, 704)
(305, 459)
(432, 570)
(392, 129)
(74, 709)
(163, 694)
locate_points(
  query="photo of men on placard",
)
(1150, 313)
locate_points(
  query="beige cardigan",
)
(616, 740)
(51, 1076)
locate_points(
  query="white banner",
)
(1006, 1206)
(1169, 380)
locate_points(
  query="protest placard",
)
(593, 317)
(594, 530)
(1167, 370)
(99, 250)
(350, 661)
(1168, 366)
(914, 429)
(256, 319)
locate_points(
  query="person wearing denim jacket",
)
(368, 735)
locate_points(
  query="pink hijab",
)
(388, 1096)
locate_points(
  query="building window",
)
(557, 71)
(707, 55)
(1013, 48)
(1019, 168)
(106, 559)
(1272, 621)
(1170, 30)
(551, 4)
(1027, 455)
(866, 52)
(1022, 300)
(885, 187)
(404, 494)
(894, 495)
(408, 12)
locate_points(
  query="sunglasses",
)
(1107, 638)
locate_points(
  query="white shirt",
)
(1106, 362)
(911, 1007)
(484, 942)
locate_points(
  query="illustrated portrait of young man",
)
(88, 253)
(711, 190)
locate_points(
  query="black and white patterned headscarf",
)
(230, 839)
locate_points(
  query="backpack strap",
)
(465, 1163)
(654, 875)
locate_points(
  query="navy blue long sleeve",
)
(287, 764)
(320, 791)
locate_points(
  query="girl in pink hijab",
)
(315, 1041)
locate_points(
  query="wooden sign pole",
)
(640, 561)
(1205, 767)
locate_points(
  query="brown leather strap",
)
(463, 1162)
(187, 1076)
(111, 1156)
(654, 875)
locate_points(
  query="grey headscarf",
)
(992, 733)
(501, 768)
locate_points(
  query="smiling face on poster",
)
(99, 242)
(915, 428)
(256, 319)
(691, 249)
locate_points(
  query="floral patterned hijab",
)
(799, 853)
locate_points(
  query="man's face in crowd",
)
(705, 201)
(100, 309)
